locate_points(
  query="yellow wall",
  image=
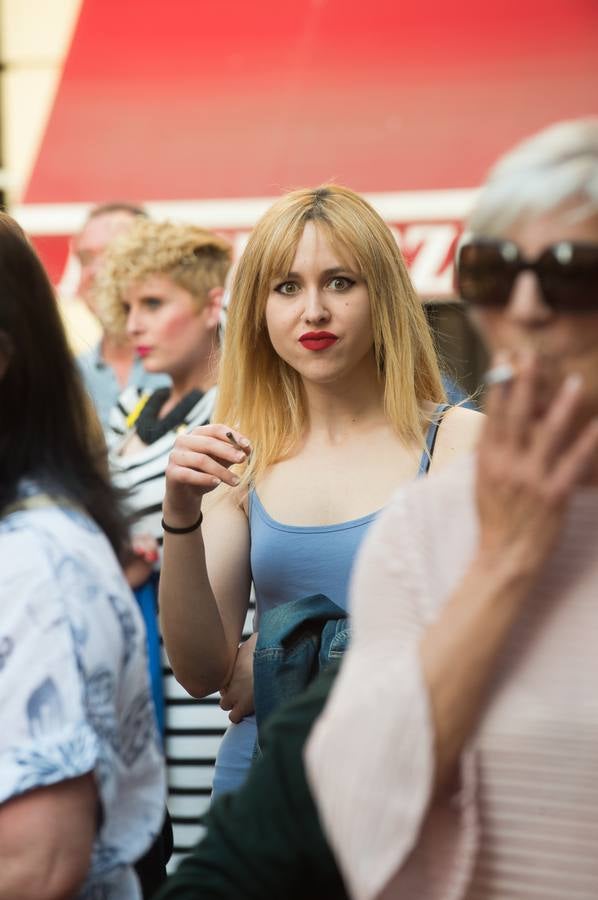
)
(34, 38)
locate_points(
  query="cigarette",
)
(234, 441)
(501, 374)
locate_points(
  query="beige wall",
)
(34, 38)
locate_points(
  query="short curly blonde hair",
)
(194, 258)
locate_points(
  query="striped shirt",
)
(524, 821)
(143, 473)
(193, 728)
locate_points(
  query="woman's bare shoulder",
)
(458, 435)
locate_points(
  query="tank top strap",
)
(432, 433)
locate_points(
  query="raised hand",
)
(199, 461)
(531, 458)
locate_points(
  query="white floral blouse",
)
(74, 690)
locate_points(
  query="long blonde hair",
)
(259, 393)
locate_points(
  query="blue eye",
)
(152, 302)
(287, 288)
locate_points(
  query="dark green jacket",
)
(265, 840)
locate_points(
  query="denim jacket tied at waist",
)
(296, 641)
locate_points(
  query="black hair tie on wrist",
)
(170, 530)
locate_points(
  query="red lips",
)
(318, 340)
(143, 351)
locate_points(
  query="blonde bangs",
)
(259, 393)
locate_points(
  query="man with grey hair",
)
(111, 365)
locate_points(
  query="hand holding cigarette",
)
(501, 373)
(200, 461)
(235, 442)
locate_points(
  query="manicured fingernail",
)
(215, 482)
(240, 457)
(236, 480)
(244, 442)
(573, 382)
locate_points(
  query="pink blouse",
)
(524, 822)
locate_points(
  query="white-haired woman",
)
(474, 774)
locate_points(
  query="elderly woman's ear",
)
(6, 349)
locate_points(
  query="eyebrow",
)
(337, 270)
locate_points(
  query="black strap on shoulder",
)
(441, 409)
(431, 438)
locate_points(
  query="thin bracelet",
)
(170, 530)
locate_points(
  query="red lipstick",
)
(143, 351)
(318, 340)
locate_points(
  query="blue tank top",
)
(289, 562)
(293, 561)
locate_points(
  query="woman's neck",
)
(335, 410)
(201, 377)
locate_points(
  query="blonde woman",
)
(162, 283)
(329, 389)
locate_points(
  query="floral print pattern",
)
(74, 688)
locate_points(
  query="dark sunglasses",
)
(485, 272)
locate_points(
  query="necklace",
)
(150, 428)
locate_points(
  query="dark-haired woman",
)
(81, 775)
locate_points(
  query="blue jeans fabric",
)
(147, 598)
(296, 641)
